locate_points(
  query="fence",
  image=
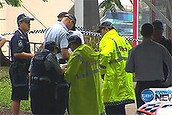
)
(35, 47)
(91, 38)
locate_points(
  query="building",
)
(45, 14)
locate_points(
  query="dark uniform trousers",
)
(42, 97)
(48, 98)
(61, 95)
(115, 110)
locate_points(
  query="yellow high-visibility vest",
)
(118, 84)
(84, 76)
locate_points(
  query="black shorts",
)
(20, 93)
(20, 87)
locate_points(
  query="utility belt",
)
(20, 65)
(20, 69)
(40, 80)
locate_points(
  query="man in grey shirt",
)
(59, 34)
(146, 61)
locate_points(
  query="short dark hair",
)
(158, 25)
(147, 30)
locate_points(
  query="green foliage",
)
(109, 5)
(1, 5)
(15, 3)
(5, 91)
(93, 41)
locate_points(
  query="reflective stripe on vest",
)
(84, 62)
(120, 58)
(87, 73)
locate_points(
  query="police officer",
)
(74, 30)
(44, 72)
(84, 76)
(59, 34)
(21, 55)
(118, 89)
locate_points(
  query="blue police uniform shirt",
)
(59, 34)
(19, 43)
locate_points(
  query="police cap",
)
(105, 24)
(74, 39)
(71, 17)
(23, 17)
(50, 44)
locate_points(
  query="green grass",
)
(5, 91)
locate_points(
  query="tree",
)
(111, 5)
(108, 4)
(14, 3)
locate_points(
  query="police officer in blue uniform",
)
(21, 55)
(44, 70)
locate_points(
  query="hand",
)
(63, 66)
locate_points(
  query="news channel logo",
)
(157, 94)
(147, 95)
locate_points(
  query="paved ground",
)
(131, 109)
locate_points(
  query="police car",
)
(155, 108)
(158, 101)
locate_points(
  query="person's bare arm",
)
(23, 55)
(65, 53)
(2, 42)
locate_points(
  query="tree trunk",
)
(91, 14)
(3, 60)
